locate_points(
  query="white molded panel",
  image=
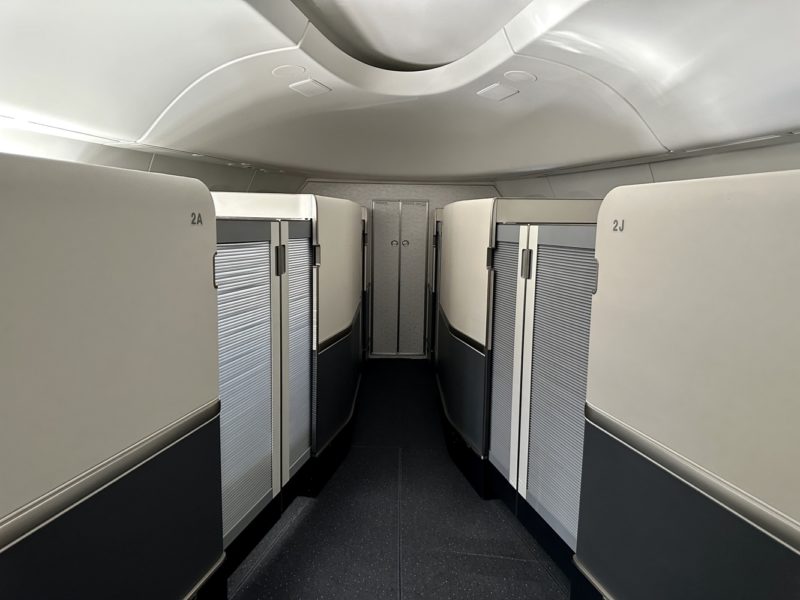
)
(263, 206)
(438, 125)
(111, 68)
(108, 316)
(695, 335)
(466, 228)
(339, 234)
(377, 32)
(698, 73)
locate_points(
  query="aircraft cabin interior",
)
(399, 299)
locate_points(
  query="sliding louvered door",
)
(248, 325)
(555, 363)
(543, 278)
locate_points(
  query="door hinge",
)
(280, 260)
(525, 264)
(596, 276)
(436, 240)
(489, 258)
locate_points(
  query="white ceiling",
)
(409, 34)
(615, 79)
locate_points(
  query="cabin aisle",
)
(397, 519)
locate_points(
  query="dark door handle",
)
(405, 242)
(394, 242)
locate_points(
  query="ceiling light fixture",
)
(520, 76)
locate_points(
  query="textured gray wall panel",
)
(562, 315)
(413, 254)
(298, 271)
(506, 266)
(245, 377)
(385, 276)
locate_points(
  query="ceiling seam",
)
(598, 80)
(188, 88)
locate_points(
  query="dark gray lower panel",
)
(338, 370)
(462, 376)
(643, 533)
(154, 533)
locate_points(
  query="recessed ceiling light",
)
(497, 92)
(519, 76)
(288, 71)
(193, 154)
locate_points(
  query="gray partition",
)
(461, 365)
(413, 262)
(399, 269)
(385, 276)
(565, 278)
(504, 310)
(244, 273)
(299, 275)
(338, 367)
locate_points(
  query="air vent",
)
(310, 87)
(497, 92)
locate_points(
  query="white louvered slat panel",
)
(245, 377)
(298, 270)
(503, 325)
(562, 314)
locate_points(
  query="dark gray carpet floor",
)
(397, 519)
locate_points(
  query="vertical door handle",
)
(405, 242)
(394, 242)
(525, 267)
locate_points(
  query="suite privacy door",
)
(264, 279)
(544, 277)
(399, 259)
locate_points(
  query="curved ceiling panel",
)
(564, 117)
(409, 34)
(699, 73)
(109, 68)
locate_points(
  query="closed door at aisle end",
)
(399, 258)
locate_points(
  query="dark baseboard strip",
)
(769, 521)
(461, 337)
(130, 539)
(26, 520)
